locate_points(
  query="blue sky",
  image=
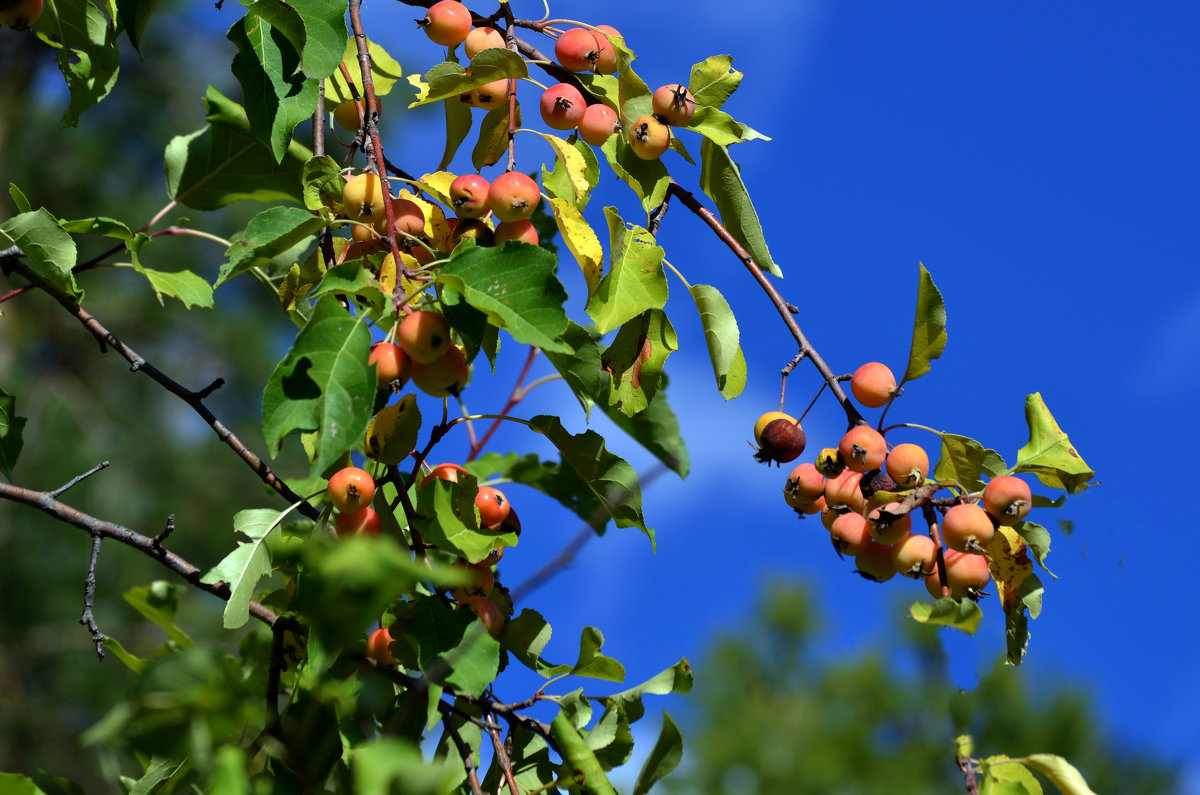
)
(1040, 161)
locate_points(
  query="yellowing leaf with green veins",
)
(1009, 564)
(581, 241)
(392, 434)
(576, 167)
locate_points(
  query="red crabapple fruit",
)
(377, 646)
(487, 612)
(444, 376)
(889, 532)
(447, 472)
(875, 563)
(493, 507)
(355, 523)
(424, 336)
(351, 489)
(914, 556)
(20, 14)
(480, 39)
(805, 485)
(849, 534)
(390, 362)
(907, 464)
(362, 198)
(447, 23)
(562, 107)
(598, 123)
(577, 50)
(521, 231)
(513, 196)
(606, 54)
(844, 490)
(965, 525)
(468, 196)
(873, 384)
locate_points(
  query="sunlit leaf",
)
(580, 766)
(721, 180)
(87, 52)
(635, 280)
(664, 756)
(1049, 454)
(242, 568)
(929, 328)
(635, 360)
(713, 81)
(392, 433)
(957, 613)
(47, 247)
(965, 460)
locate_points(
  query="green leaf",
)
(46, 245)
(1038, 540)
(531, 765)
(384, 765)
(676, 679)
(611, 739)
(656, 428)
(1000, 775)
(16, 784)
(276, 94)
(447, 80)
(452, 646)
(87, 52)
(267, 235)
(635, 360)
(11, 434)
(323, 184)
(1062, 773)
(591, 662)
(648, 179)
(576, 171)
(528, 301)
(720, 329)
(1049, 454)
(635, 280)
(720, 128)
(315, 28)
(354, 278)
(322, 384)
(107, 227)
(18, 198)
(190, 289)
(526, 637)
(960, 614)
(458, 127)
(965, 460)
(608, 476)
(929, 328)
(159, 769)
(385, 71)
(131, 660)
(633, 95)
(580, 769)
(663, 758)
(223, 163)
(158, 603)
(493, 137)
(134, 15)
(247, 564)
(453, 523)
(713, 81)
(721, 180)
(1016, 624)
(228, 772)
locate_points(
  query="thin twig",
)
(502, 756)
(88, 618)
(513, 398)
(75, 480)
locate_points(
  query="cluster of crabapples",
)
(351, 491)
(859, 490)
(563, 106)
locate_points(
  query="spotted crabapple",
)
(480, 39)
(447, 22)
(562, 107)
(1007, 499)
(967, 524)
(468, 195)
(599, 122)
(513, 196)
(424, 336)
(649, 138)
(907, 464)
(863, 448)
(674, 104)
(522, 231)
(351, 489)
(873, 384)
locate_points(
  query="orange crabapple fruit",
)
(1007, 499)
(889, 532)
(966, 572)
(493, 507)
(781, 440)
(447, 472)
(480, 580)
(805, 485)
(377, 646)
(494, 556)
(562, 107)
(351, 489)
(487, 612)
(829, 514)
(849, 534)
(674, 104)
(577, 50)
(844, 490)
(521, 231)
(444, 376)
(649, 138)
(346, 116)
(914, 556)
(407, 216)
(875, 562)
(966, 524)
(863, 448)
(390, 362)
(907, 464)
(480, 39)
(488, 96)
(513, 196)
(424, 336)
(468, 196)
(355, 523)
(598, 123)
(447, 23)
(362, 198)
(873, 384)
